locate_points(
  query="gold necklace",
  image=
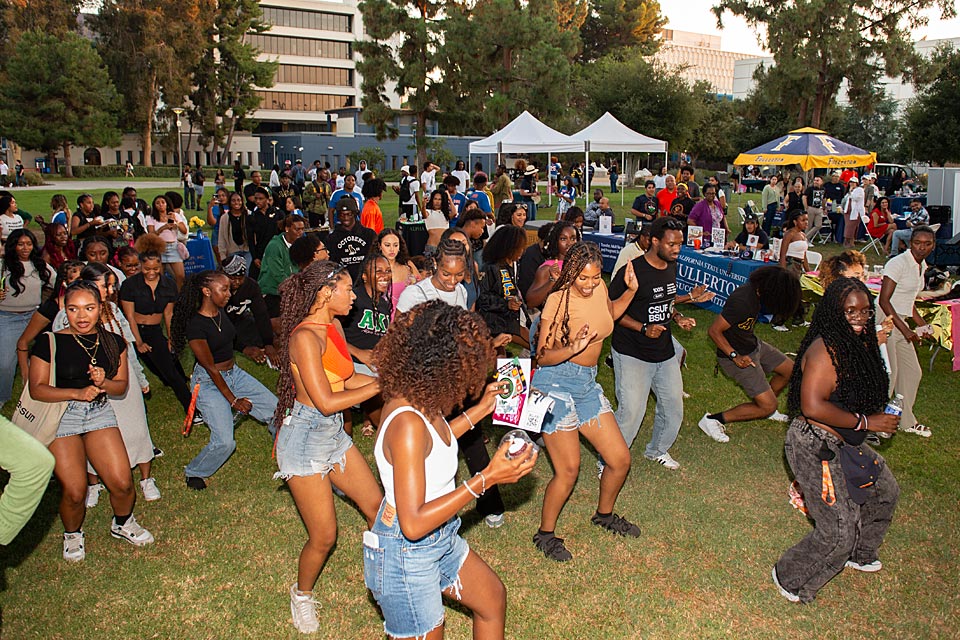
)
(218, 322)
(91, 352)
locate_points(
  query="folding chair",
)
(826, 230)
(743, 215)
(874, 242)
(814, 259)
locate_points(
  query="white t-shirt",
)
(660, 182)
(464, 179)
(429, 181)
(424, 291)
(4, 168)
(9, 224)
(904, 270)
(340, 180)
(414, 187)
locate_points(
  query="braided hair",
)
(92, 272)
(578, 257)
(862, 380)
(63, 272)
(298, 294)
(12, 264)
(434, 356)
(108, 341)
(188, 305)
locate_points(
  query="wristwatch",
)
(733, 355)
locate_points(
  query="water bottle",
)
(520, 444)
(895, 406)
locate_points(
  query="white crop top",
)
(440, 466)
(797, 249)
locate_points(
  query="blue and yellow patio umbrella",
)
(811, 149)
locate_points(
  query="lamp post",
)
(274, 143)
(179, 112)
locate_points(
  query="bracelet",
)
(471, 491)
(233, 404)
(861, 419)
(19, 349)
(469, 421)
(483, 480)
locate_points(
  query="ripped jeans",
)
(577, 396)
(311, 443)
(407, 577)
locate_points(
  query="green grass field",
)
(224, 558)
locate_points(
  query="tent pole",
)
(586, 175)
(549, 183)
(623, 167)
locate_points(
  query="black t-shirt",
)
(527, 267)
(49, 308)
(741, 311)
(73, 361)
(146, 301)
(647, 206)
(815, 197)
(687, 203)
(262, 226)
(652, 304)
(368, 319)
(218, 332)
(833, 191)
(350, 248)
(248, 313)
(794, 201)
(741, 238)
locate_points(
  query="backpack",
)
(405, 190)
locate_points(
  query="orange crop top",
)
(337, 363)
(592, 310)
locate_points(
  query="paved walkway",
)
(100, 184)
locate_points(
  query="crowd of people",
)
(320, 290)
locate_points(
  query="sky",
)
(695, 16)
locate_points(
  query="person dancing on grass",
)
(431, 359)
(747, 359)
(837, 395)
(317, 383)
(91, 362)
(577, 317)
(199, 318)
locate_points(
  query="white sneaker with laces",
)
(780, 327)
(73, 550)
(93, 495)
(150, 490)
(667, 461)
(303, 608)
(713, 428)
(776, 416)
(870, 567)
(494, 520)
(131, 531)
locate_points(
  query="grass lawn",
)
(224, 558)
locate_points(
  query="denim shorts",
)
(170, 254)
(84, 417)
(577, 396)
(310, 443)
(407, 577)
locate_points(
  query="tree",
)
(374, 156)
(403, 48)
(764, 114)
(932, 118)
(55, 92)
(502, 58)
(817, 45)
(150, 47)
(879, 131)
(618, 25)
(715, 140)
(55, 17)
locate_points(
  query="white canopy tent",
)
(609, 134)
(526, 134)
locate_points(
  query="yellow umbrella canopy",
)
(811, 149)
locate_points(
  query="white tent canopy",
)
(609, 134)
(526, 134)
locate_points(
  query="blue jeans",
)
(189, 199)
(634, 381)
(900, 235)
(11, 327)
(219, 416)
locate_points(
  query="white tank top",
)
(440, 466)
(797, 249)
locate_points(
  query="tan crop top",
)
(594, 310)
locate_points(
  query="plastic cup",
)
(520, 444)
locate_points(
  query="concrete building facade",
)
(699, 57)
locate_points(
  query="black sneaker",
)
(197, 484)
(617, 524)
(608, 361)
(197, 418)
(552, 547)
(157, 452)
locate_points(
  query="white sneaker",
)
(93, 495)
(600, 467)
(150, 490)
(494, 520)
(132, 532)
(776, 416)
(921, 430)
(73, 550)
(792, 597)
(303, 608)
(870, 567)
(780, 327)
(713, 428)
(667, 461)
